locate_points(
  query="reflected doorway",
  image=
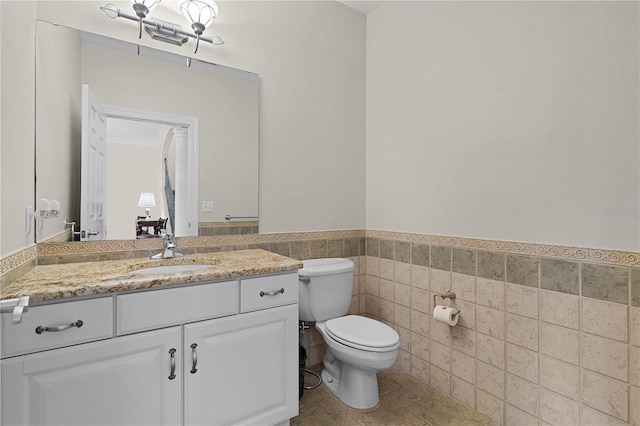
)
(155, 153)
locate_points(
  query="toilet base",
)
(355, 387)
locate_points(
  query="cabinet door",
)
(122, 381)
(246, 370)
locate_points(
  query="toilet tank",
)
(327, 294)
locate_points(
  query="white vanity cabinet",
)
(243, 370)
(238, 369)
(111, 382)
(183, 355)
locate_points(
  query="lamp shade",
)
(199, 13)
(147, 200)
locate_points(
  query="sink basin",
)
(170, 269)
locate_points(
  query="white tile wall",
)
(490, 406)
(522, 362)
(490, 321)
(463, 391)
(490, 350)
(515, 416)
(560, 377)
(522, 300)
(520, 355)
(464, 286)
(491, 379)
(606, 319)
(558, 410)
(605, 356)
(559, 342)
(463, 366)
(522, 394)
(559, 309)
(605, 394)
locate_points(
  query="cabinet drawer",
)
(162, 308)
(96, 316)
(265, 292)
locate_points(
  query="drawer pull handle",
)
(172, 351)
(194, 357)
(42, 329)
(271, 293)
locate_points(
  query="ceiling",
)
(131, 132)
(362, 6)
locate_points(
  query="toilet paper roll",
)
(446, 314)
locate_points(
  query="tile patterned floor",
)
(404, 400)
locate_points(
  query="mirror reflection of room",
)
(219, 103)
(148, 195)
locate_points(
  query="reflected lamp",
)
(147, 200)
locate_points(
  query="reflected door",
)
(94, 160)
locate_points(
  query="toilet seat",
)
(363, 333)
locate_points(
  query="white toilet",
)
(356, 347)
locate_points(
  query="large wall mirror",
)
(183, 130)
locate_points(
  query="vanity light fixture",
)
(147, 200)
(199, 13)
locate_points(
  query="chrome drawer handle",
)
(172, 351)
(194, 357)
(271, 293)
(40, 329)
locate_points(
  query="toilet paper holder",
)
(448, 295)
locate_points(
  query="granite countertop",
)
(55, 282)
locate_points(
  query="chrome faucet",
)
(168, 246)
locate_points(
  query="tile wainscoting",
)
(548, 334)
(207, 229)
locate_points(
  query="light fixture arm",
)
(196, 44)
(114, 12)
(141, 12)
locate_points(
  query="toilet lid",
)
(363, 332)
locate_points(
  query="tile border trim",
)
(67, 248)
(18, 259)
(612, 257)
